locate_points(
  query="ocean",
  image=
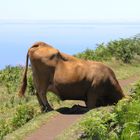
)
(71, 38)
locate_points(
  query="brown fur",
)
(24, 81)
(70, 78)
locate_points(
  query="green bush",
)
(31, 87)
(88, 54)
(23, 114)
(4, 128)
(123, 49)
(102, 52)
(128, 118)
(11, 77)
(94, 127)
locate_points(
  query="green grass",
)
(35, 123)
(31, 126)
(16, 112)
(124, 71)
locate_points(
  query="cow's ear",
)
(62, 57)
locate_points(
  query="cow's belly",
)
(72, 91)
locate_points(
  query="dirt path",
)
(62, 121)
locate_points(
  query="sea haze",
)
(71, 38)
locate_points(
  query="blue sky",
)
(15, 39)
(95, 10)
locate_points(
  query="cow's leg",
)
(92, 97)
(41, 87)
(43, 102)
(45, 105)
(39, 101)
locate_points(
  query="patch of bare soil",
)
(64, 120)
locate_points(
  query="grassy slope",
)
(17, 114)
(122, 71)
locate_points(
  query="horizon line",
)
(67, 21)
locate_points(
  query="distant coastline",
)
(82, 22)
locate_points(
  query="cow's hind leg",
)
(41, 96)
(45, 105)
(41, 87)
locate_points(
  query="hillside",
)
(20, 116)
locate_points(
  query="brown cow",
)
(70, 78)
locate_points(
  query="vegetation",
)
(122, 123)
(123, 49)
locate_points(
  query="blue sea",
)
(16, 38)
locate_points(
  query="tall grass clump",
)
(22, 115)
(10, 78)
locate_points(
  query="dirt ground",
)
(63, 120)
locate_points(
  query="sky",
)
(16, 38)
(93, 10)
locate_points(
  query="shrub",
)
(23, 114)
(88, 54)
(102, 52)
(10, 77)
(123, 49)
(4, 128)
(97, 125)
(31, 88)
(94, 128)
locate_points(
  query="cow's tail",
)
(24, 80)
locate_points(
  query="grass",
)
(124, 71)
(35, 123)
(31, 126)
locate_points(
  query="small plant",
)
(31, 88)
(4, 128)
(23, 114)
(10, 77)
(94, 128)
